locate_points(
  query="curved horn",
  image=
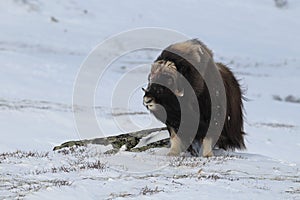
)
(179, 93)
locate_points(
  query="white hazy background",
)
(43, 43)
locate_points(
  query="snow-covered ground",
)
(43, 44)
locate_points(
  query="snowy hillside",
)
(44, 43)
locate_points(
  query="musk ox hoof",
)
(207, 147)
(209, 154)
(172, 153)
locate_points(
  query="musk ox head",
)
(165, 84)
(174, 83)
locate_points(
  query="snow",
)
(39, 61)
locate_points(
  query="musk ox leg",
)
(207, 147)
(176, 143)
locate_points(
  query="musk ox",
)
(168, 99)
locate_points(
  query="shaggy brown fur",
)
(186, 58)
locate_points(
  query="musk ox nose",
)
(149, 102)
